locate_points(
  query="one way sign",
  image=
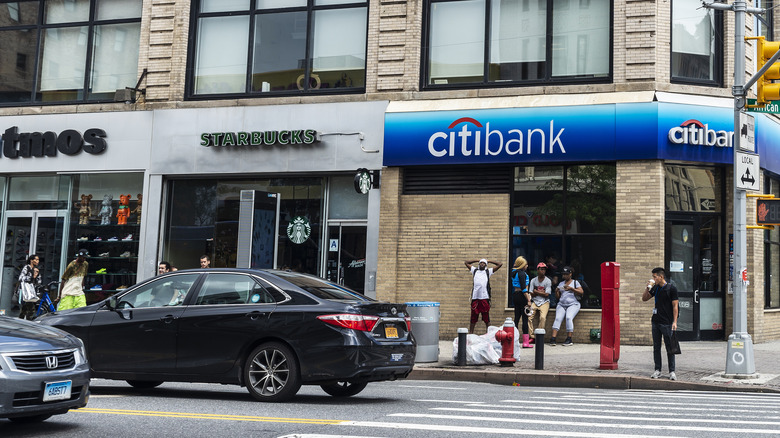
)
(748, 171)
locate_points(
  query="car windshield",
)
(321, 288)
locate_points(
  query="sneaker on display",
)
(103, 254)
(98, 239)
(656, 374)
(112, 239)
(128, 237)
(101, 271)
(125, 254)
(82, 238)
(96, 287)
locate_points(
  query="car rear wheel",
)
(144, 384)
(271, 373)
(344, 389)
(31, 418)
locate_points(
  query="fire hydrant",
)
(507, 339)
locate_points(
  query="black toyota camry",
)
(270, 331)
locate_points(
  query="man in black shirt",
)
(664, 319)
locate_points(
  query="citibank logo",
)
(694, 132)
(474, 138)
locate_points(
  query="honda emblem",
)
(51, 362)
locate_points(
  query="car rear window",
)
(321, 288)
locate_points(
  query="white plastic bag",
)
(479, 351)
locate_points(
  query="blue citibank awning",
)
(582, 133)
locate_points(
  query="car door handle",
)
(168, 319)
(255, 315)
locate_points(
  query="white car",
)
(43, 371)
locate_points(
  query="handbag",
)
(27, 292)
(674, 344)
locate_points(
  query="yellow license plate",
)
(391, 332)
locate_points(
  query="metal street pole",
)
(740, 361)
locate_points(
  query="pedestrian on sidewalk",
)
(664, 320)
(541, 288)
(569, 293)
(72, 286)
(480, 292)
(521, 298)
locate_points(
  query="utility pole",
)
(740, 362)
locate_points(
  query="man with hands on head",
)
(480, 293)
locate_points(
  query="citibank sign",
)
(694, 132)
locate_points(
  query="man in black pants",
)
(664, 319)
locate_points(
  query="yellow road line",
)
(206, 416)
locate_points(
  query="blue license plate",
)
(55, 391)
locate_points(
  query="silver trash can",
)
(425, 328)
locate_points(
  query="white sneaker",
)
(656, 374)
(672, 376)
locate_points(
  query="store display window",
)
(105, 219)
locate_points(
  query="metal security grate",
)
(41, 362)
(456, 180)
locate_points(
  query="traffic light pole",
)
(740, 362)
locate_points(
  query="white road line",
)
(447, 388)
(739, 427)
(490, 431)
(663, 404)
(616, 411)
(594, 416)
(460, 402)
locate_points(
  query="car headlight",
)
(80, 355)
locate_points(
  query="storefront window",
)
(202, 219)
(772, 257)
(696, 43)
(105, 219)
(49, 56)
(294, 46)
(520, 47)
(693, 189)
(565, 215)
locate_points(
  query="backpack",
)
(474, 274)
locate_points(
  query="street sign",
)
(768, 212)
(747, 132)
(748, 171)
(771, 108)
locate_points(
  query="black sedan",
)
(270, 331)
(43, 371)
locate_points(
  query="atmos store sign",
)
(17, 144)
(258, 138)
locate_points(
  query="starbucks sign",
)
(299, 229)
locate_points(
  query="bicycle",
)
(45, 304)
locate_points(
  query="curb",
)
(568, 380)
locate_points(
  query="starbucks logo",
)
(299, 230)
(362, 181)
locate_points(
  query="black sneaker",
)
(568, 342)
(552, 341)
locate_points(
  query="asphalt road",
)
(411, 408)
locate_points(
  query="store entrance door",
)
(693, 264)
(30, 232)
(346, 263)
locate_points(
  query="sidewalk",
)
(699, 367)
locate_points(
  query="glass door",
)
(693, 266)
(346, 263)
(30, 232)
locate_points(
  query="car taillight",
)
(408, 324)
(364, 323)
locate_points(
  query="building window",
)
(693, 189)
(565, 216)
(765, 22)
(472, 42)
(83, 50)
(278, 47)
(772, 257)
(697, 43)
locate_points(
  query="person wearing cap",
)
(569, 293)
(72, 286)
(480, 293)
(540, 290)
(521, 298)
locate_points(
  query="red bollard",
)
(507, 339)
(610, 316)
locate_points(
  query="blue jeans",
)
(660, 330)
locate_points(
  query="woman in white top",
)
(569, 292)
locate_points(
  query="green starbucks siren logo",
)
(299, 229)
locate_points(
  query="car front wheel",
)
(344, 389)
(271, 373)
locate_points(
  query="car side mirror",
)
(111, 303)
